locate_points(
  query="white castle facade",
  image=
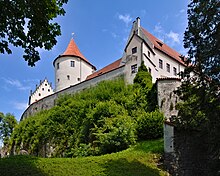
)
(73, 72)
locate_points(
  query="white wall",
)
(43, 90)
(131, 59)
(66, 75)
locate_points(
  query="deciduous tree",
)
(29, 24)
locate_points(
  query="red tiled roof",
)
(73, 50)
(106, 69)
(163, 47)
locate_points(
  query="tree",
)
(28, 24)
(200, 109)
(7, 124)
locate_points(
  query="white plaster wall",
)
(152, 64)
(77, 74)
(42, 91)
(166, 59)
(131, 59)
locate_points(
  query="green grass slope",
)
(138, 160)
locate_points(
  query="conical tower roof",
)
(73, 50)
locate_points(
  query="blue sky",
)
(101, 29)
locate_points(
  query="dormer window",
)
(134, 50)
(72, 63)
(161, 44)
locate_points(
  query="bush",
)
(117, 134)
(150, 125)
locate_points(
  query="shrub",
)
(117, 134)
(150, 125)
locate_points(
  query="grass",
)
(138, 160)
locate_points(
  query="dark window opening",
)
(134, 50)
(148, 53)
(58, 65)
(174, 71)
(149, 69)
(68, 77)
(39, 94)
(168, 67)
(160, 64)
(134, 68)
(72, 63)
(78, 79)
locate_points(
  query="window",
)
(45, 84)
(68, 77)
(72, 63)
(39, 94)
(134, 68)
(168, 67)
(149, 69)
(134, 50)
(58, 80)
(58, 65)
(78, 79)
(42, 89)
(148, 53)
(48, 90)
(160, 64)
(174, 71)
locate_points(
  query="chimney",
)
(138, 25)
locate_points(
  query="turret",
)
(71, 67)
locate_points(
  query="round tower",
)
(71, 67)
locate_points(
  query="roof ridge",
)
(163, 47)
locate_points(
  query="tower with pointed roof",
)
(71, 67)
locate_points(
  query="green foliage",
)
(34, 16)
(7, 125)
(150, 125)
(200, 109)
(98, 120)
(143, 78)
(140, 159)
(116, 134)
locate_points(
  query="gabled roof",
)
(158, 44)
(73, 50)
(106, 69)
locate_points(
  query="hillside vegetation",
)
(139, 160)
(103, 119)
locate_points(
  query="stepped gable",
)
(158, 44)
(73, 50)
(106, 69)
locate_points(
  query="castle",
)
(73, 72)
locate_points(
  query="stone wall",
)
(49, 101)
(167, 99)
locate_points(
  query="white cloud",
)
(158, 28)
(15, 83)
(182, 11)
(125, 18)
(19, 105)
(175, 37)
